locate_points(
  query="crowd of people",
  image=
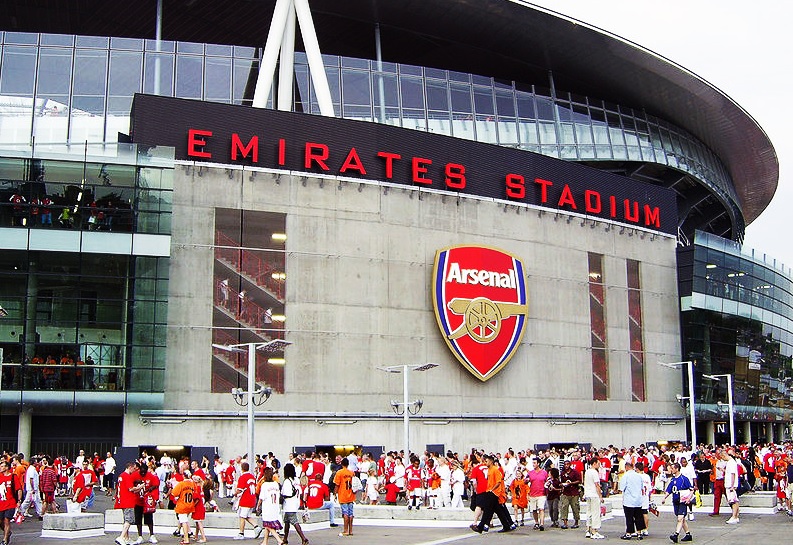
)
(272, 498)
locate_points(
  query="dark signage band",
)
(227, 134)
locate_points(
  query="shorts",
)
(129, 515)
(292, 518)
(49, 497)
(244, 512)
(790, 490)
(681, 509)
(7, 514)
(732, 495)
(347, 509)
(536, 503)
(183, 517)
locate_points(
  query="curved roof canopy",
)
(505, 39)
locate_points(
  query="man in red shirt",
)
(317, 496)
(83, 485)
(246, 493)
(146, 504)
(126, 499)
(479, 476)
(8, 503)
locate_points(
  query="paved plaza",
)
(754, 529)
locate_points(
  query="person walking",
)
(494, 499)
(594, 500)
(682, 492)
(731, 480)
(291, 493)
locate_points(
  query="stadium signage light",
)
(225, 134)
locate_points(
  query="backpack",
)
(356, 484)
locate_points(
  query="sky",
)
(741, 48)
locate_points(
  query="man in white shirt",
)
(109, 479)
(445, 475)
(594, 499)
(32, 494)
(731, 477)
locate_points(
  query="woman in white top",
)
(270, 504)
(291, 492)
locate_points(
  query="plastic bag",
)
(697, 499)
(72, 507)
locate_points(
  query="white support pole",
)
(314, 56)
(251, 388)
(286, 66)
(406, 416)
(264, 83)
(690, 367)
(732, 409)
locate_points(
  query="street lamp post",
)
(690, 368)
(406, 407)
(253, 396)
(729, 401)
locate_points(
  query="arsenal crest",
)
(481, 305)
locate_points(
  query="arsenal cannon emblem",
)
(481, 304)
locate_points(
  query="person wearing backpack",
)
(290, 495)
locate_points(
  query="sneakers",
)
(691, 516)
(673, 537)
(138, 541)
(687, 537)
(120, 541)
(598, 535)
(733, 520)
(475, 528)
(239, 536)
(177, 533)
(153, 540)
(257, 531)
(644, 533)
(333, 525)
(587, 535)
(542, 528)
(574, 526)
(626, 537)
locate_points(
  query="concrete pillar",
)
(25, 432)
(779, 434)
(710, 433)
(747, 432)
(769, 432)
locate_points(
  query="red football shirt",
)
(124, 498)
(316, 493)
(247, 483)
(7, 499)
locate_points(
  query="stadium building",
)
(486, 216)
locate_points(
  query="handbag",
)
(743, 486)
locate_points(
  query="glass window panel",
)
(461, 98)
(217, 82)
(526, 107)
(435, 73)
(544, 108)
(19, 71)
(437, 96)
(410, 70)
(92, 41)
(459, 76)
(125, 73)
(90, 72)
(133, 44)
(189, 77)
(351, 62)
(55, 67)
(57, 39)
(21, 38)
(190, 47)
(355, 87)
(390, 97)
(412, 92)
(245, 72)
(165, 62)
(481, 80)
(505, 103)
(219, 50)
(483, 101)
(165, 46)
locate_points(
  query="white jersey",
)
(270, 495)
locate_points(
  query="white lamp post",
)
(690, 368)
(255, 396)
(406, 408)
(729, 401)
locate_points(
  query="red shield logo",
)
(481, 305)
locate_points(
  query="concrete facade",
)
(359, 266)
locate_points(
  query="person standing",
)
(457, 481)
(570, 499)
(647, 491)
(632, 488)
(731, 479)
(83, 485)
(520, 497)
(345, 495)
(126, 499)
(109, 478)
(718, 482)
(703, 468)
(682, 491)
(48, 483)
(537, 478)
(688, 470)
(8, 502)
(148, 492)
(553, 489)
(184, 496)
(594, 499)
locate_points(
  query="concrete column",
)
(25, 432)
(769, 432)
(710, 433)
(747, 432)
(779, 433)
